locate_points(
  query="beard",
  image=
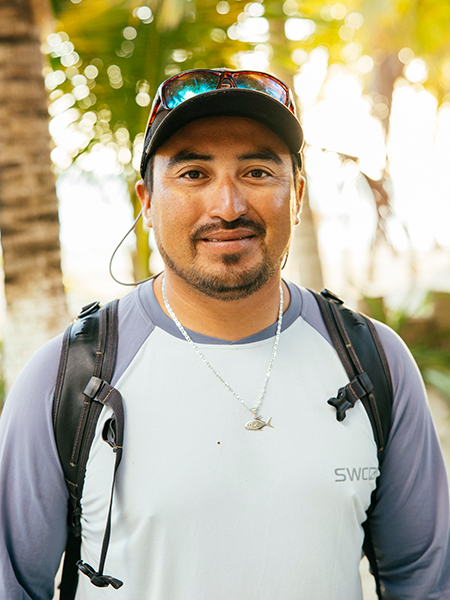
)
(232, 283)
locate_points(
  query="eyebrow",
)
(265, 154)
(186, 156)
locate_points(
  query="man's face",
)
(223, 205)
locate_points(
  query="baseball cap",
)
(202, 93)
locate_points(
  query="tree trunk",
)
(387, 70)
(29, 222)
(304, 264)
(141, 255)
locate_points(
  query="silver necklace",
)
(257, 422)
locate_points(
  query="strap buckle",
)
(96, 578)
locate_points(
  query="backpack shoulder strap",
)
(85, 370)
(360, 350)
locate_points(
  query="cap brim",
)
(231, 102)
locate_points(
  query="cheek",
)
(172, 220)
(281, 214)
(282, 220)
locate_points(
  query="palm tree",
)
(304, 265)
(28, 205)
(122, 52)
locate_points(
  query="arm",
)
(410, 523)
(33, 494)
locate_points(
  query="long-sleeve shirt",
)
(203, 507)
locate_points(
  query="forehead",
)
(219, 135)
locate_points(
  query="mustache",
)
(220, 224)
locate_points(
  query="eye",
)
(192, 174)
(258, 174)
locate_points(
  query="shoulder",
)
(136, 322)
(403, 369)
(36, 382)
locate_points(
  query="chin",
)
(228, 282)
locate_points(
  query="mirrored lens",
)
(186, 86)
(260, 83)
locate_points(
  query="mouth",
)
(244, 237)
(229, 240)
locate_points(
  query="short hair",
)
(296, 168)
(148, 175)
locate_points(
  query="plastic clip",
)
(89, 309)
(341, 403)
(97, 579)
(327, 294)
(348, 396)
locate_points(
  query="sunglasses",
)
(181, 87)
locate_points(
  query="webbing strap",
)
(69, 578)
(370, 554)
(339, 337)
(108, 396)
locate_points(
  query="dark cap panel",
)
(233, 102)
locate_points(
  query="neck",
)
(231, 320)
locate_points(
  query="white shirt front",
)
(207, 510)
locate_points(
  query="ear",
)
(299, 193)
(145, 200)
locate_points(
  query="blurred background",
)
(372, 80)
(372, 83)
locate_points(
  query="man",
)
(237, 482)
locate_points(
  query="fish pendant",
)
(257, 423)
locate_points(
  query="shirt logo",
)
(360, 474)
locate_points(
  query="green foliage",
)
(123, 54)
(422, 26)
(427, 339)
(440, 380)
(106, 63)
(130, 56)
(377, 309)
(122, 49)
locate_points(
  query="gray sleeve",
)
(33, 494)
(409, 526)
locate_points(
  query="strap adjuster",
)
(75, 521)
(93, 387)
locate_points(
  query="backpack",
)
(83, 387)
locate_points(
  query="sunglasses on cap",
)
(193, 94)
(174, 91)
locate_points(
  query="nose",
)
(227, 201)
